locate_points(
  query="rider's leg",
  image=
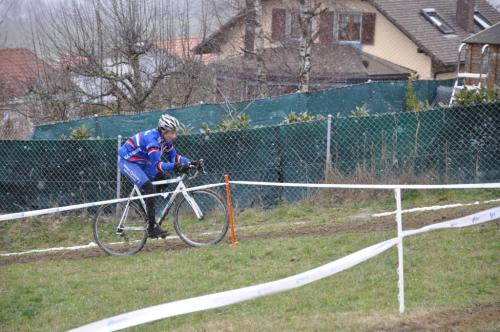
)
(139, 177)
(160, 177)
(148, 189)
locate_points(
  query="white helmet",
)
(168, 123)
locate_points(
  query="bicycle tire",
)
(107, 248)
(221, 209)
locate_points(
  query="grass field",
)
(452, 276)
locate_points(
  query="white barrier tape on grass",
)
(222, 299)
(37, 251)
(470, 220)
(217, 300)
(434, 208)
(71, 248)
(34, 213)
(371, 186)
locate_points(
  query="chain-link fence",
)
(445, 145)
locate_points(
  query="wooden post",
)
(234, 242)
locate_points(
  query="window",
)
(481, 20)
(278, 23)
(295, 31)
(433, 17)
(349, 27)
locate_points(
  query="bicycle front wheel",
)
(120, 229)
(202, 219)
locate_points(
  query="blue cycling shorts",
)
(138, 174)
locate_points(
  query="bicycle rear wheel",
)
(125, 240)
(208, 226)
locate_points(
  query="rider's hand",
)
(194, 163)
(180, 168)
(197, 163)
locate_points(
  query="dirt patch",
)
(359, 225)
(88, 253)
(480, 318)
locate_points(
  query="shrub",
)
(361, 111)
(469, 97)
(81, 133)
(301, 117)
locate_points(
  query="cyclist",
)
(140, 161)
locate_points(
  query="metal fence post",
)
(401, 285)
(118, 177)
(96, 126)
(118, 174)
(328, 161)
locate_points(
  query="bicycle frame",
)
(179, 189)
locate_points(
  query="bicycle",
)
(200, 217)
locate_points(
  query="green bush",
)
(470, 97)
(185, 129)
(81, 133)
(361, 111)
(301, 117)
(411, 102)
(230, 122)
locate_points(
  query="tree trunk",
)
(305, 44)
(259, 49)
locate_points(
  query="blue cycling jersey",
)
(145, 149)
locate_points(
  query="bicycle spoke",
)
(210, 228)
(120, 231)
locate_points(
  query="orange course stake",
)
(230, 208)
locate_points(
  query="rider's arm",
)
(155, 156)
(173, 157)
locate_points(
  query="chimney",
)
(465, 14)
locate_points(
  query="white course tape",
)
(217, 300)
(473, 219)
(222, 299)
(371, 186)
(433, 208)
(35, 251)
(34, 213)
(79, 247)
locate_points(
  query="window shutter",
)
(368, 29)
(249, 33)
(326, 27)
(278, 24)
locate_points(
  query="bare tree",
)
(116, 47)
(259, 50)
(5, 7)
(307, 13)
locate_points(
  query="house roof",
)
(182, 48)
(333, 63)
(19, 68)
(406, 15)
(210, 44)
(487, 36)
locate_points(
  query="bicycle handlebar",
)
(200, 168)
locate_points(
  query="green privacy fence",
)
(378, 96)
(446, 145)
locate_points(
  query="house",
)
(20, 71)
(399, 36)
(182, 48)
(484, 49)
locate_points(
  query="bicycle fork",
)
(191, 202)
